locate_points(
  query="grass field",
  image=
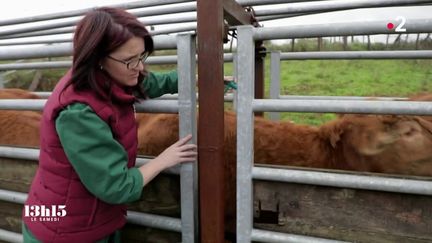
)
(387, 78)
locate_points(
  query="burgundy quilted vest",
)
(56, 183)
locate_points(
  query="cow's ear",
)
(335, 136)
(333, 131)
(424, 123)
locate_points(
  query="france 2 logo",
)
(401, 20)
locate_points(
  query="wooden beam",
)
(211, 120)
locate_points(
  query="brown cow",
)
(374, 143)
(384, 144)
(422, 97)
(330, 146)
(17, 94)
(19, 128)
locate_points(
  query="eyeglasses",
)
(132, 63)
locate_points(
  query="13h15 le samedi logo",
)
(45, 213)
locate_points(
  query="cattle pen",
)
(274, 204)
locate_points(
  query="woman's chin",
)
(132, 82)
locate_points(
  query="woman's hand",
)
(177, 153)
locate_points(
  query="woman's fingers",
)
(188, 147)
(184, 140)
(188, 157)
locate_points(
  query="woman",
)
(86, 170)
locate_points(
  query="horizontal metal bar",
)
(272, 236)
(12, 39)
(73, 13)
(73, 21)
(158, 106)
(48, 40)
(39, 33)
(266, 2)
(338, 29)
(65, 49)
(144, 219)
(228, 97)
(22, 104)
(42, 26)
(35, 65)
(344, 106)
(154, 221)
(153, 60)
(318, 97)
(12, 196)
(151, 106)
(365, 182)
(164, 10)
(57, 50)
(33, 154)
(19, 153)
(334, 6)
(10, 236)
(356, 55)
(168, 20)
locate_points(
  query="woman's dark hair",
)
(99, 33)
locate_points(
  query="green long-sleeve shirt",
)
(157, 84)
(98, 159)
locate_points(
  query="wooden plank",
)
(211, 120)
(343, 214)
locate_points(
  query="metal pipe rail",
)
(337, 29)
(227, 97)
(46, 41)
(326, 6)
(319, 97)
(33, 155)
(344, 106)
(65, 49)
(39, 33)
(266, 2)
(276, 57)
(52, 40)
(72, 22)
(332, 55)
(10, 236)
(271, 236)
(138, 218)
(74, 13)
(151, 106)
(152, 60)
(340, 179)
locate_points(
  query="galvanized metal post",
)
(275, 80)
(245, 132)
(187, 113)
(211, 120)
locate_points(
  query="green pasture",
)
(377, 78)
(390, 78)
